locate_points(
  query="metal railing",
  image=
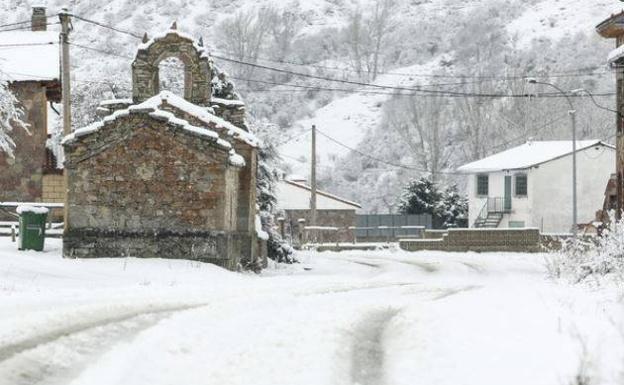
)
(493, 206)
(498, 205)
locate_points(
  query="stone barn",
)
(163, 175)
(31, 67)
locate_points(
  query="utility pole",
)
(66, 84)
(65, 76)
(313, 180)
(572, 112)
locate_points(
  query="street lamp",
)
(572, 112)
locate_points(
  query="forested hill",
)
(396, 87)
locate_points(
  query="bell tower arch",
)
(197, 67)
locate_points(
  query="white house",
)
(531, 185)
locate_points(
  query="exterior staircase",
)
(492, 213)
(491, 221)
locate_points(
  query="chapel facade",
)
(162, 175)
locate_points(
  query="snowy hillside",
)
(559, 18)
(318, 38)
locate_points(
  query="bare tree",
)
(425, 125)
(243, 36)
(367, 35)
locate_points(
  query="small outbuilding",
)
(335, 216)
(163, 175)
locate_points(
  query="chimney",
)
(39, 20)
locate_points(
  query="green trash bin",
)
(32, 224)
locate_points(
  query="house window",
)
(483, 185)
(521, 185)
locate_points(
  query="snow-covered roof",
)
(296, 196)
(26, 55)
(149, 107)
(202, 114)
(528, 155)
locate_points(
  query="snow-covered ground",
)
(376, 317)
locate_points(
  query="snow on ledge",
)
(263, 235)
(31, 209)
(202, 114)
(236, 159)
(202, 51)
(615, 55)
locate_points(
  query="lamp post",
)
(572, 113)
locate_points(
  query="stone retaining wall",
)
(481, 240)
(205, 246)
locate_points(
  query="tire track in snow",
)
(11, 350)
(367, 359)
(60, 354)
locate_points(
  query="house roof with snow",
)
(29, 56)
(296, 196)
(528, 155)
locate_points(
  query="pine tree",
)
(453, 208)
(448, 208)
(268, 175)
(420, 196)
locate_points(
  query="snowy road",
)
(366, 318)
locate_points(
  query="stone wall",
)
(246, 206)
(479, 240)
(146, 188)
(21, 176)
(231, 110)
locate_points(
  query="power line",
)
(27, 44)
(416, 90)
(572, 73)
(397, 165)
(23, 22)
(447, 93)
(107, 26)
(28, 27)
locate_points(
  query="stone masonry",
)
(478, 240)
(163, 176)
(197, 73)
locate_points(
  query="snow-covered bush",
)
(597, 257)
(278, 249)
(10, 116)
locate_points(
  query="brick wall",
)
(53, 189)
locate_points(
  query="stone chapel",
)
(161, 175)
